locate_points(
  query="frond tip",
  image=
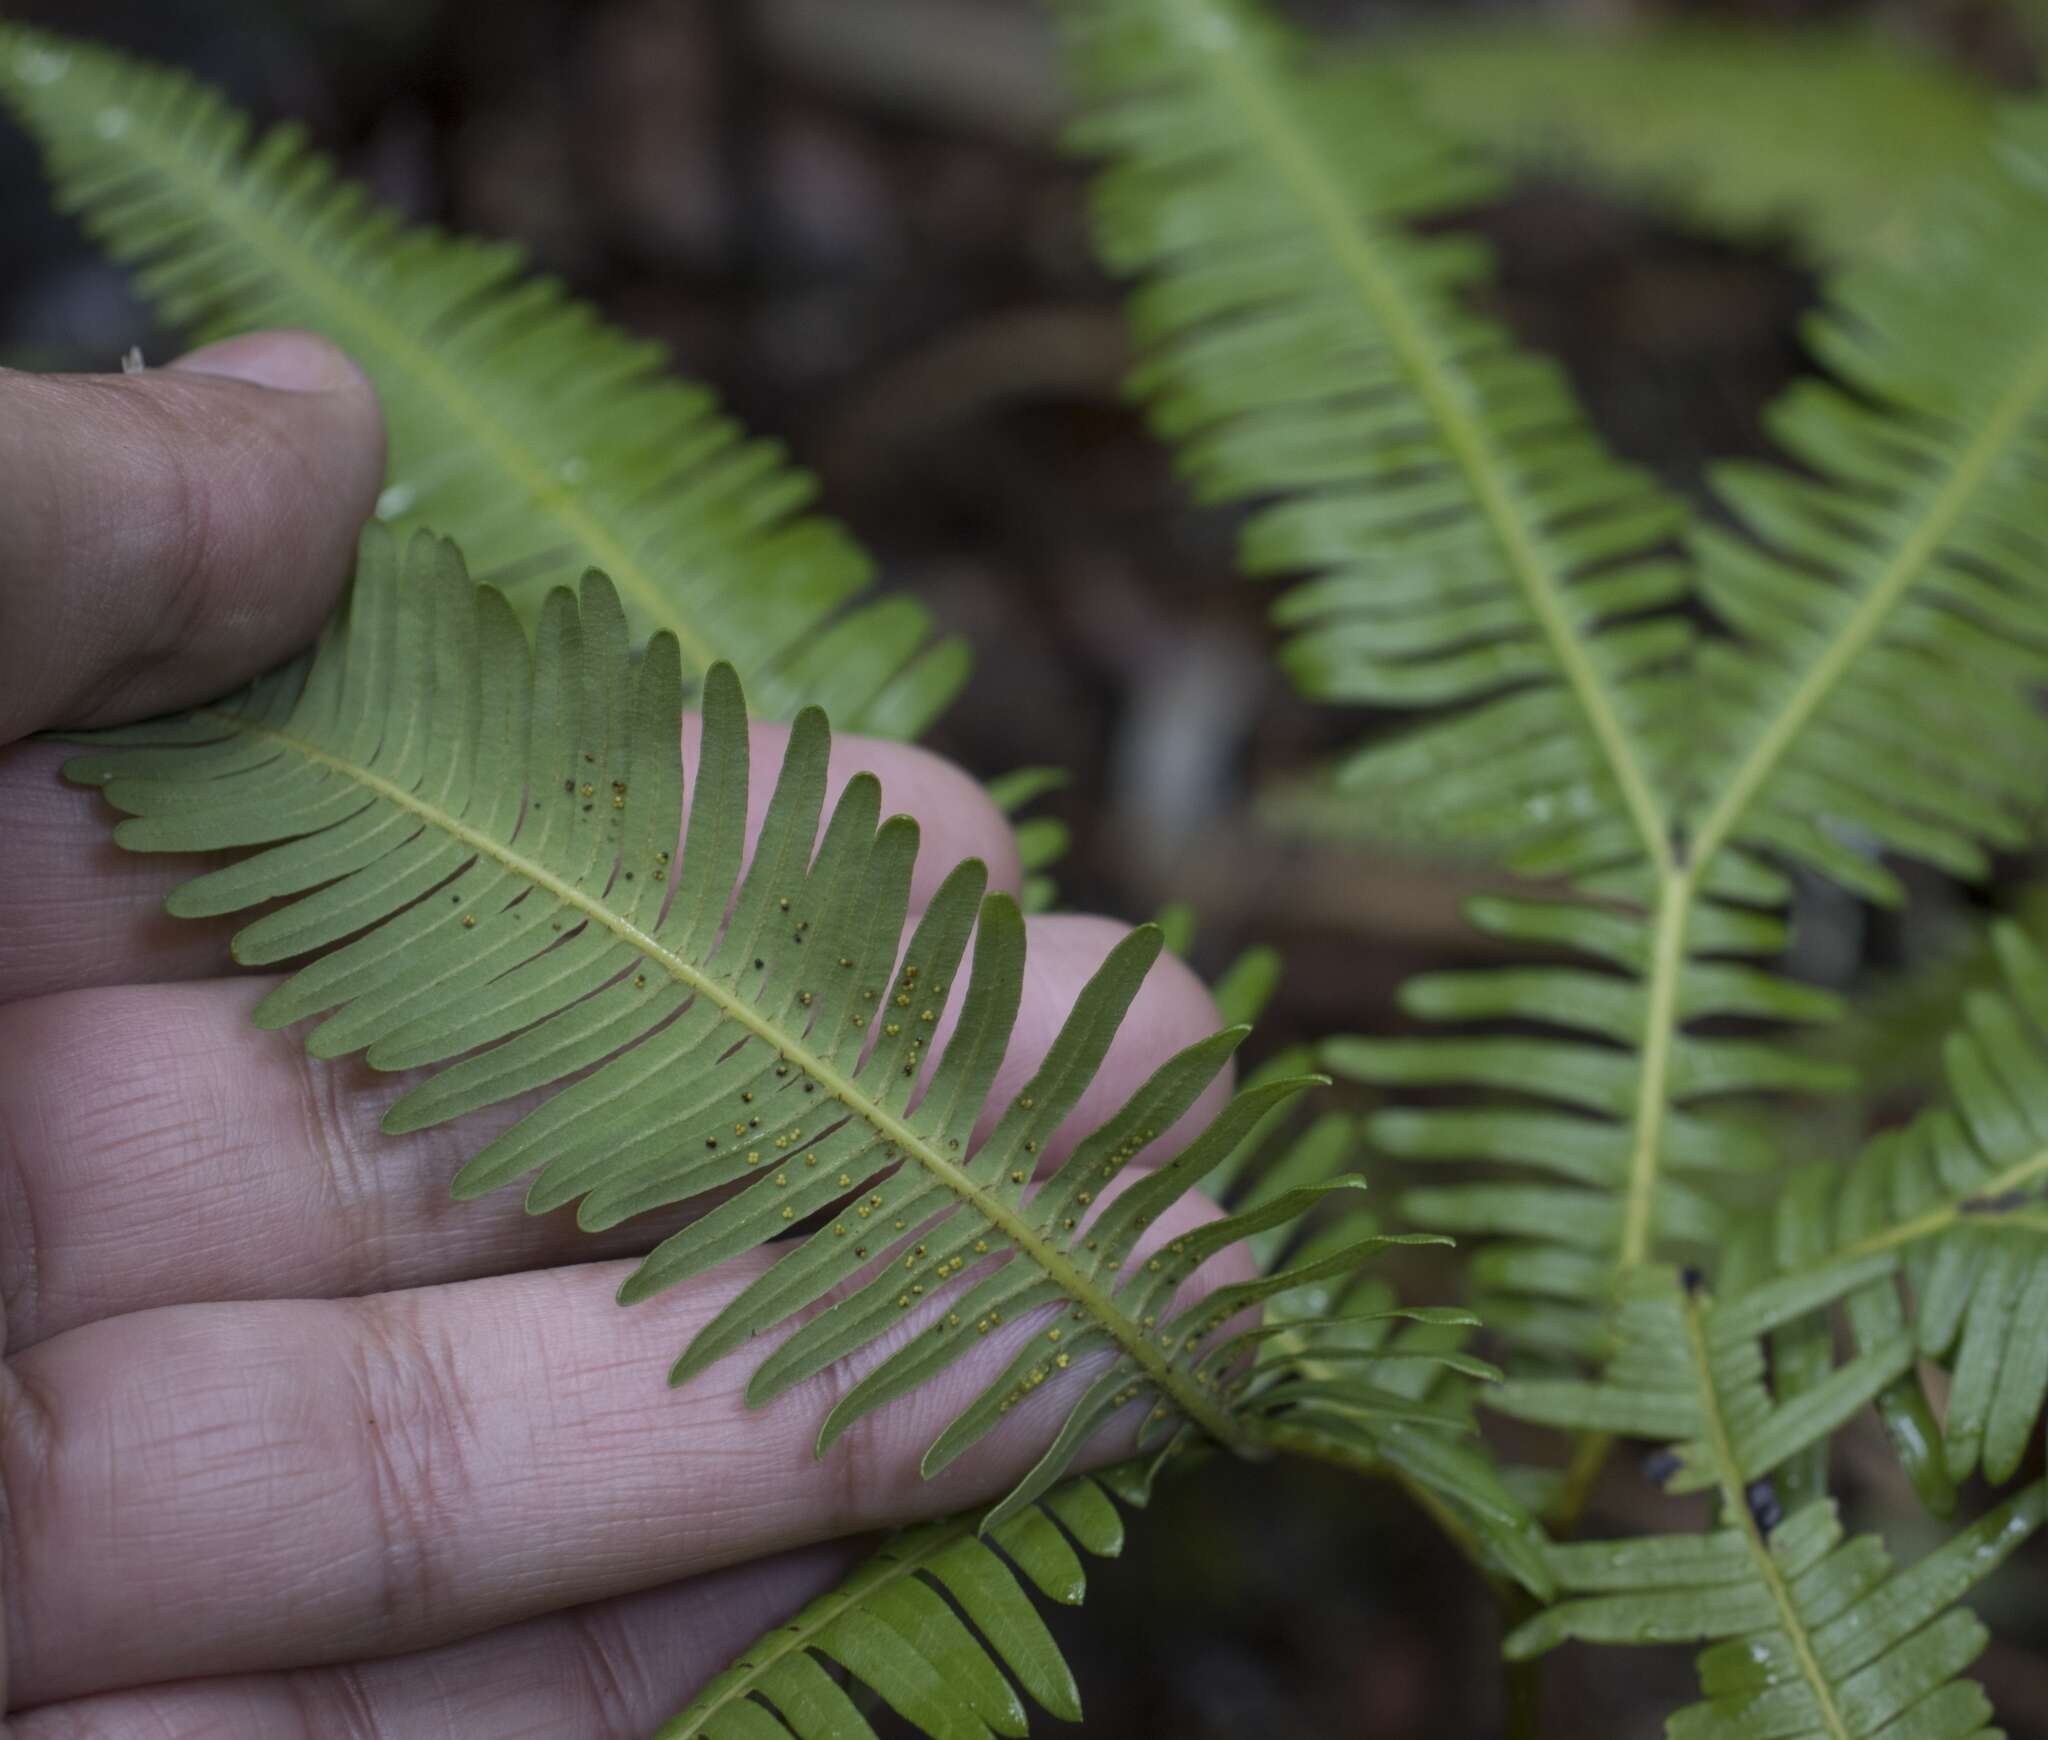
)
(484, 842)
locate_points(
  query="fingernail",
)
(290, 362)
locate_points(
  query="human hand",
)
(290, 1443)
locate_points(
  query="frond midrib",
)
(1679, 887)
(1131, 1340)
(1909, 561)
(1933, 1222)
(1735, 1500)
(224, 198)
(792, 1638)
(1470, 444)
(1474, 452)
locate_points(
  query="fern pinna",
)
(544, 440)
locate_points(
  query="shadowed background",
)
(847, 215)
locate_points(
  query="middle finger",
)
(156, 1149)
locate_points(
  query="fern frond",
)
(1837, 139)
(1813, 1636)
(492, 833)
(1344, 1373)
(1470, 541)
(893, 1625)
(1891, 606)
(1471, 546)
(545, 440)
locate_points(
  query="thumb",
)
(168, 534)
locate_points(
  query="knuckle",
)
(417, 1451)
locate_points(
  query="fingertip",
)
(289, 360)
(176, 531)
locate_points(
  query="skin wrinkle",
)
(608, 1670)
(77, 911)
(417, 1435)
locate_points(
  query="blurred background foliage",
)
(851, 217)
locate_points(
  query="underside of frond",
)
(543, 439)
(484, 843)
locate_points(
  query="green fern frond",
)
(1812, 1636)
(493, 833)
(893, 1625)
(1837, 139)
(545, 440)
(1890, 606)
(1471, 546)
